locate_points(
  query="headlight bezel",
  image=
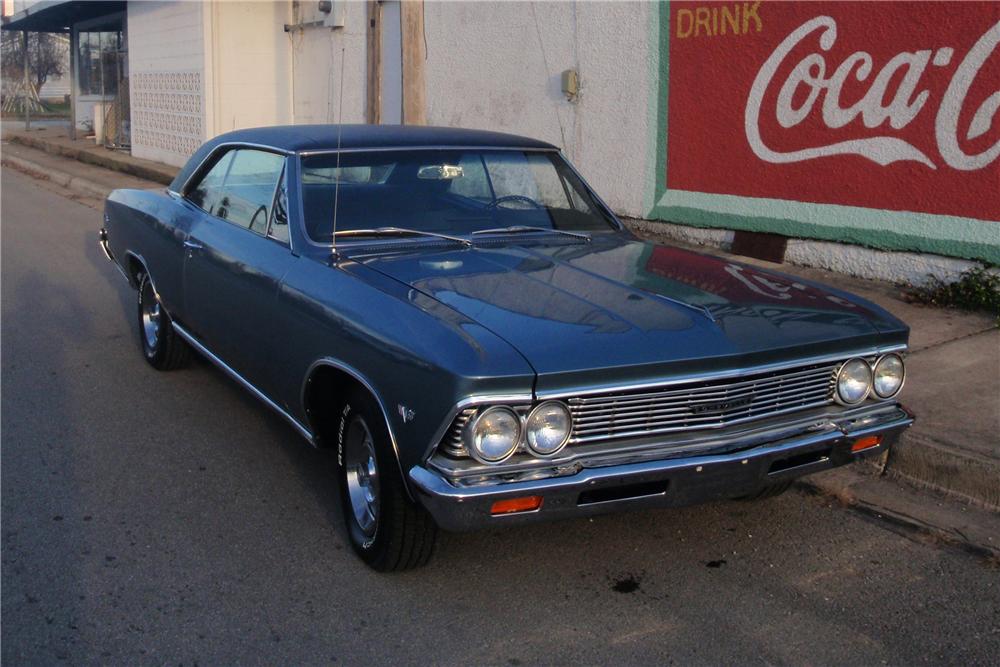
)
(527, 429)
(470, 434)
(840, 372)
(902, 378)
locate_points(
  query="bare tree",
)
(48, 56)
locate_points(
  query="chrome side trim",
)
(196, 344)
(353, 372)
(590, 390)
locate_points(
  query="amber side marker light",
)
(525, 504)
(866, 442)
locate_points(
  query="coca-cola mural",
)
(887, 105)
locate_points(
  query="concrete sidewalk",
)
(952, 385)
(54, 139)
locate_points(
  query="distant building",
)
(805, 121)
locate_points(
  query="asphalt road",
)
(169, 518)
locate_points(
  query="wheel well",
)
(326, 393)
(135, 267)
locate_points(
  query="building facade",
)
(840, 131)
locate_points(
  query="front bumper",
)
(659, 483)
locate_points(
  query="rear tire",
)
(161, 346)
(388, 531)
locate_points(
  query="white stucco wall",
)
(249, 63)
(316, 64)
(201, 69)
(166, 76)
(498, 66)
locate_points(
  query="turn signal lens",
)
(866, 442)
(525, 504)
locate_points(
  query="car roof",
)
(296, 138)
(301, 138)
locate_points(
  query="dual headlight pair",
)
(494, 434)
(856, 379)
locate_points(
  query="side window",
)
(207, 193)
(240, 188)
(279, 216)
(249, 189)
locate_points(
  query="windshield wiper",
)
(400, 231)
(521, 229)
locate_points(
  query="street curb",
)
(96, 159)
(80, 186)
(947, 470)
(972, 530)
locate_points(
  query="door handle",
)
(192, 245)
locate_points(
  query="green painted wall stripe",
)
(876, 228)
(662, 89)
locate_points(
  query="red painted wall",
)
(889, 105)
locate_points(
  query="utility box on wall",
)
(332, 12)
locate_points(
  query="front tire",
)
(161, 346)
(769, 491)
(387, 530)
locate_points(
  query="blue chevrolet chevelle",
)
(472, 330)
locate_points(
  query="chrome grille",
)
(701, 405)
(452, 443)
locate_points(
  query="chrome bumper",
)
(659, 483)
(102, 237)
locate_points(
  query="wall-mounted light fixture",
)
(571, 84)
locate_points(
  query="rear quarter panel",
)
(150, 226)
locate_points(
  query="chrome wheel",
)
(149, 310)
(361, 470)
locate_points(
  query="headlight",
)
(888, 376)
(854, 381)
(548, 427)
(493, 435)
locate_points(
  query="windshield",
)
(446, 191)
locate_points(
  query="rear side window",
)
(240, 188)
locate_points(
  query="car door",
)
(236, 254)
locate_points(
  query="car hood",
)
(620, 310)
